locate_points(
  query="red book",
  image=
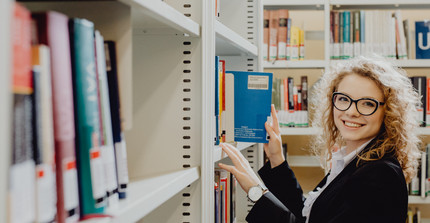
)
(52, 30)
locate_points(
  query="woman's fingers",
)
(229, 168)
(235, 151)
(270, 131)
(230, 153)
(275, 123)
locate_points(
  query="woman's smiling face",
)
(354, 127)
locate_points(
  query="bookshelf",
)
(5, 99)
(165, 53)
(414, 10)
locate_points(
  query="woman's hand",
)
(241, 169)
(273, 149)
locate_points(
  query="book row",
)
(420, 184)
(282, 40)
(367, 32)
(68, 153)
(242, 104)
(225, 197)
(291, 101)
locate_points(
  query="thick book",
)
(422, 39)
(21, 192)
(92, 188)
(273, 35)
(266, 35)
(52, 30)
(117, 133)
(282, 34)
(46, 199)
(252, 101)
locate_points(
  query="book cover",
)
(422, 39)
(92, 189)
(118, 135)
(21, 190)
(52, 30)
(252, 100)
(229, 107)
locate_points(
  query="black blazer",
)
(373, 191)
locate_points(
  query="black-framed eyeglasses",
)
(365, 106)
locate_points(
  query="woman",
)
(366, 108)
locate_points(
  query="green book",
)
(92, 190)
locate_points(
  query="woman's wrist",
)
(276, 161)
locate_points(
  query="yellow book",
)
(295, 33)
(302, 45)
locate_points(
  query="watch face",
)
(255, 193)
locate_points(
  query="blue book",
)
(217, 100)
(422, 39)
(252, 101)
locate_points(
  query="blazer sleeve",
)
(375, 193)
(269, 209)
(285, 198)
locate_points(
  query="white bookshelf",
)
(228, 42)
(303, 161)
(146, 195)
(295, 64)
(419, 200)
(219, 154)
(158, 15)
(300, 131)
(314, 131)
(379, 2)
(293, 2)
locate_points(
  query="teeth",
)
(349, 124)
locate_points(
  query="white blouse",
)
(339, 161)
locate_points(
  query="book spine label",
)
(70, 185)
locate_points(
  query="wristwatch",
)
(256, 192)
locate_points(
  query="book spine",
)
(44, 146)
(52, 30)
(107, 149)
(118, 136)
(282, 33)
(92, 189)
(266, 35)
(273, 34)
(22, 170)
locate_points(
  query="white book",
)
(46, 197)
(107, 148)
(229, 107)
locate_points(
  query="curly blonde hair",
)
(397, 133)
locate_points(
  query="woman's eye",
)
(369, 104)
(343, 98)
